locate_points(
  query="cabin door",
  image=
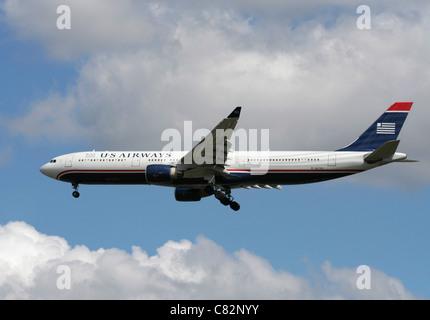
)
(69, 160)
(332, 159)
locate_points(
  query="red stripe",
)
(97, 171)
(401, 106)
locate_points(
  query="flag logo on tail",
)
(385, 128)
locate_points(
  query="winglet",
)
(235, 113)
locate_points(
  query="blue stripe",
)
(371, 140)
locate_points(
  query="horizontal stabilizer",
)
(387, 150)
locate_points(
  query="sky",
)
(126, 71)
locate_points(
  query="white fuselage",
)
(268, 168)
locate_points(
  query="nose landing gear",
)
(75, 193)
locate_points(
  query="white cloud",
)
(152, 66)
(343, 282)
(180, 270)
(96, 26)
(54, 117)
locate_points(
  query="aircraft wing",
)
(211, 152)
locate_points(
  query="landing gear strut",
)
(75, 193)
(227, 199)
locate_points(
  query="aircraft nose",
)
(44, 169)
(47, 170)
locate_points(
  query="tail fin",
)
(385, 129)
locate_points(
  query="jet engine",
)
(187, 194)
(159, 173)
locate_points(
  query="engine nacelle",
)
(187, 194)
(160, 173)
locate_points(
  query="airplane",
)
(223, 170)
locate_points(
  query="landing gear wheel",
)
(219, 195)
(224, 197)
(234, 205)
(209, 190)
(75, 193)
(225, 201)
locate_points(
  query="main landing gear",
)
(75, 193)
(224, 196)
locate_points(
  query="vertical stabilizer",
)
(385, 129)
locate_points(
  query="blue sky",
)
(114, 91)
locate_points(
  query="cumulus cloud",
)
(302, 70)
(97, 26)
(32, 264)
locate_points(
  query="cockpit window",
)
(53, 161)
